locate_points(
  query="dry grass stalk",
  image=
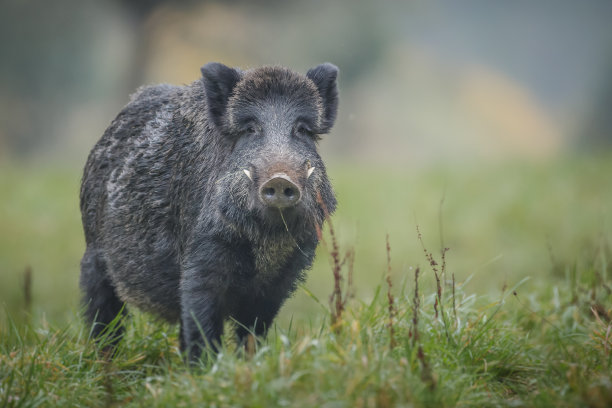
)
(426, 374)
(339, 297)
(390, 298)
(414, 332)
(434, 267)
(27, 288)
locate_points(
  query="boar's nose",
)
(280, 192)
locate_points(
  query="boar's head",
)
(272, 119)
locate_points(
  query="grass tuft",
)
(539, 353)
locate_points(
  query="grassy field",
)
(529, 323)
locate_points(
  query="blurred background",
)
(487, 124)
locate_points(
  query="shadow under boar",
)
(202, 202)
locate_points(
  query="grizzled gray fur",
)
(202, 202)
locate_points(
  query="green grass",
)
(518, 349)
(542, 341)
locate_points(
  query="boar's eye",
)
(250, 129)
(303, 130)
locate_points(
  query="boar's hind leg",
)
(102, 306)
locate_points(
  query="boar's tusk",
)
(248, 174)
(310, 170)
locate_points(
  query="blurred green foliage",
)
(548, 347)
(502, 222)
(40, 224)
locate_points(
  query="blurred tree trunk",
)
(597, 131)
(139, 12)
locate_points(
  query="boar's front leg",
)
(256, 310)
(255, 315)
(204, 283)
(201, 322)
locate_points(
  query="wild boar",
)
(202, 202)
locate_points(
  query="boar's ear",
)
(324, 77)
(219, 81)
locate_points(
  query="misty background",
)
(420, 81)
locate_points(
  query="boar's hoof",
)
(279, 192)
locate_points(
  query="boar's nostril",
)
(279, 192)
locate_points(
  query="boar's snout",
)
(280, 192)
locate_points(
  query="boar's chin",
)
(250, 217)
(284, 218)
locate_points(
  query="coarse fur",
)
(173, 224)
